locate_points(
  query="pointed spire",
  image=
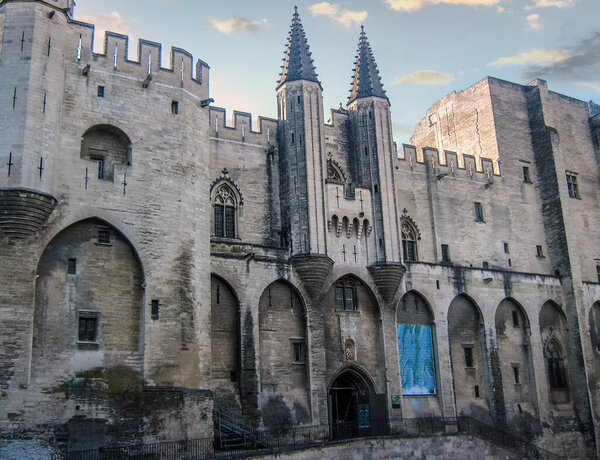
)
(366, 80)
(298, 63)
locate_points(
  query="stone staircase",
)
(232, 433)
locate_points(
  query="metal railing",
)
(277, 440)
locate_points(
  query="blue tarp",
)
(416, 359)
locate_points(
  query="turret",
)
(300, 114)
(372, 148)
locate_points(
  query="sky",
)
(424, 49)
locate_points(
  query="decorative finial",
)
(295, 11)
(362, 29)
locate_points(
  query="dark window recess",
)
(598, 272)
(174, 107)
(366, 151)
(516, 374)
(410, 250)
(485, 264)
(370, 115)
(72, 266)
(154, 308)
(104, 236)
(87, 328)
(515, 318)
(345, 297)
(381, 243)
(224, 221)
(506, 251)
(468, 356)
(229, 222)
(477, 391)
(572, 186)
(526, 176)
(437, 284)
(445, 254)
(299, 100)
(100, 91)
(298, 350)
(539, 251)
(478, 212)
(520, 408)
(509, 263)
(100, 167)
(293, 138)
(49, 45)
(219, 218)
(375, 188)
(233, 376)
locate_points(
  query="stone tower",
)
(300, 114)
(372, 148)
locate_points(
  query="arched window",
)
(557, 377)
(225, 207)
(345, 296)
(334, 173)
(409, 241)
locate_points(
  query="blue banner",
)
(416, 359)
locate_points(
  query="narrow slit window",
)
(445, 254)
(468, 356)
(478, 212)
(516, 374)
(539, 251)
(515, 318)
(526, 177)
(175, 107)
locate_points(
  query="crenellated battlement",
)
(449, 163)
(242, 129)
(147, 68)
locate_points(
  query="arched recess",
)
(416, 350)
(225, 345)
(468, 358)
(594, 319)
(283, 356)
(515, 362)
(108, 146)
(554, 334)
(354, 408)
(88, 300)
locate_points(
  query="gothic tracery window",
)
(409, 241)
(333, 173)
(557, 377)
(225, 210)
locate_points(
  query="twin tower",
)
(339, 174)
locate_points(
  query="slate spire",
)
(366, 80)
(297, 63)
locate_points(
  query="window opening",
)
(477, 391)
(88, 326)
(72, 267)
(409, 241)
(539, 251)
(298, 351)
(345, 296)
(572, 186)
(445, 254)
(100, 91)
(225, 208)
(516, 374)
(506, 251)
(598, 271)
(154, 308)
(376, 188)
(104, 236)
(233, 376)
(174, 107)
(468, 356)
(515, 318)
(526, 177)
(478, 212)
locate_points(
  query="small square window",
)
(539, 251)
(515, 318)
(103, 236)
(572, 186)
(478, 212)
(445, 254)
(154, 308)
(88, 327)
(72, 267)
(100, 91)
(468, 356)
(298, 351)
(526, 176)
(174, 107)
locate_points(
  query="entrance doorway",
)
(354, 408)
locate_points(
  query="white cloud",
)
(338, 14)
(534, 22)
(534, 56)
(227, 26)
(112, 22)
(424, 77)
(593, 84)
(414, 5)
(554, 3)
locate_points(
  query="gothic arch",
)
(227, 202)
(108, 146)
(335, 173)
(468, 355)
(358, 375)
(283, 355)
(89, 287)
(224, 178)
(225, 344)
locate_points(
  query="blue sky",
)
(424, 49)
